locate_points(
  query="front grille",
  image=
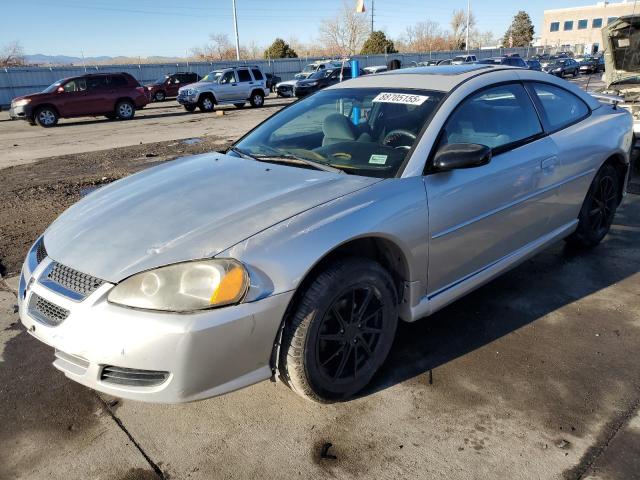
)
(132, 377)
(41, 252)
(78, 282)
(46, 312)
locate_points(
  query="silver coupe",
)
(296, 253)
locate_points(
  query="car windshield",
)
(320, 74)
(309, 68)
(458, 58)
(365, 131)
(161, 79)
(53, 87)
(212, 76)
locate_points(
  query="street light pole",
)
(235, 24)
(468, 15)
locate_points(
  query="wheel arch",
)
(618, 161)
(37, 108)
(202, 95)
(125, 99)
(373, 247)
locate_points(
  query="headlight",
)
(184, 287)
(149, 88)
(22, 103)
(557, 70)
(312, 84)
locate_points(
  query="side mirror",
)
(60, 90)
(461, 155)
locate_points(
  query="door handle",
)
(548, 165)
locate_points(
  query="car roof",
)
(442, 78)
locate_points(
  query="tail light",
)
(140, 90)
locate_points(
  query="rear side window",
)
(495, 117)
(96, 83)
(243, 76)
(117, 81)
(257, 74)
(561, 108)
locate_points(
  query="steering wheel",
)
(394, 135)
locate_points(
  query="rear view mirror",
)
(461, 155)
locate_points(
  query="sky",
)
(172, 27)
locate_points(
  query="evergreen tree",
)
(280, 49)
(521, 30)
(377, 43)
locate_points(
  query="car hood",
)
(188, 209)
(621, 40)
(288, 82)
(198, 85)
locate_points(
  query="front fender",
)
(280, 257)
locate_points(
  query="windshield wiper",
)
(289, 158)
(241, 153)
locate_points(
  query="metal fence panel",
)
(15, 82)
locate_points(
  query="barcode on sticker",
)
(404, 98)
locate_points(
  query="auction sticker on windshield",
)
(404, 98)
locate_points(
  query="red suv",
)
(168, 85)
(114, 95)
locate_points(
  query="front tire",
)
(190, 108)
(206, 104)
(46, 117)
(125, 110)
(340, 331)
(159, 96)
(598, 209)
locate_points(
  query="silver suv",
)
(233, 85)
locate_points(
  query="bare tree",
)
(12, 55)
(346, 32)
(219, 48)
(422, 37)
(459, 28)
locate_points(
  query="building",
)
(579, 28)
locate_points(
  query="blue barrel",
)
(355, 68)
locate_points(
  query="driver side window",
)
(228, 77)
(496, 117)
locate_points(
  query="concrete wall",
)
(15, 82)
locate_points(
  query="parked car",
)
(213, 272)
(311, 68)
(235, 85)
(375, 69)
(551, 59)
(168, 85)
(322, 79)
(286, 88)
(446, 61)
(114, 95)
(460, 59)
(563, 67)
(587, 64)
(534, 64)
(272, 81)
(511, 61)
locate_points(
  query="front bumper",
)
(187, 99)
(24, 112)
(204, 354)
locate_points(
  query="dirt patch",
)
(33, 195)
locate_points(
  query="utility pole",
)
(468, 15)
(372, 9)
(235, 24)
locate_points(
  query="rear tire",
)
(340, 331)
(125, 110)
(206, 104)
(46, 117)
(598, 209)
(190, 108)
(257, 99)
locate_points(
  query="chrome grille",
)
(77, 282)
(132, 377)
(46, 312)
(41, 252)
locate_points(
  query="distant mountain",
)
(63, 59)
(40, 59)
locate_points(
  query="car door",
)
(173, 83)
(98, 98)
(73, 98)
(479, 216)
(245, 84)
(226, 90)
(562, 115)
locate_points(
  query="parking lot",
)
(533, 376)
